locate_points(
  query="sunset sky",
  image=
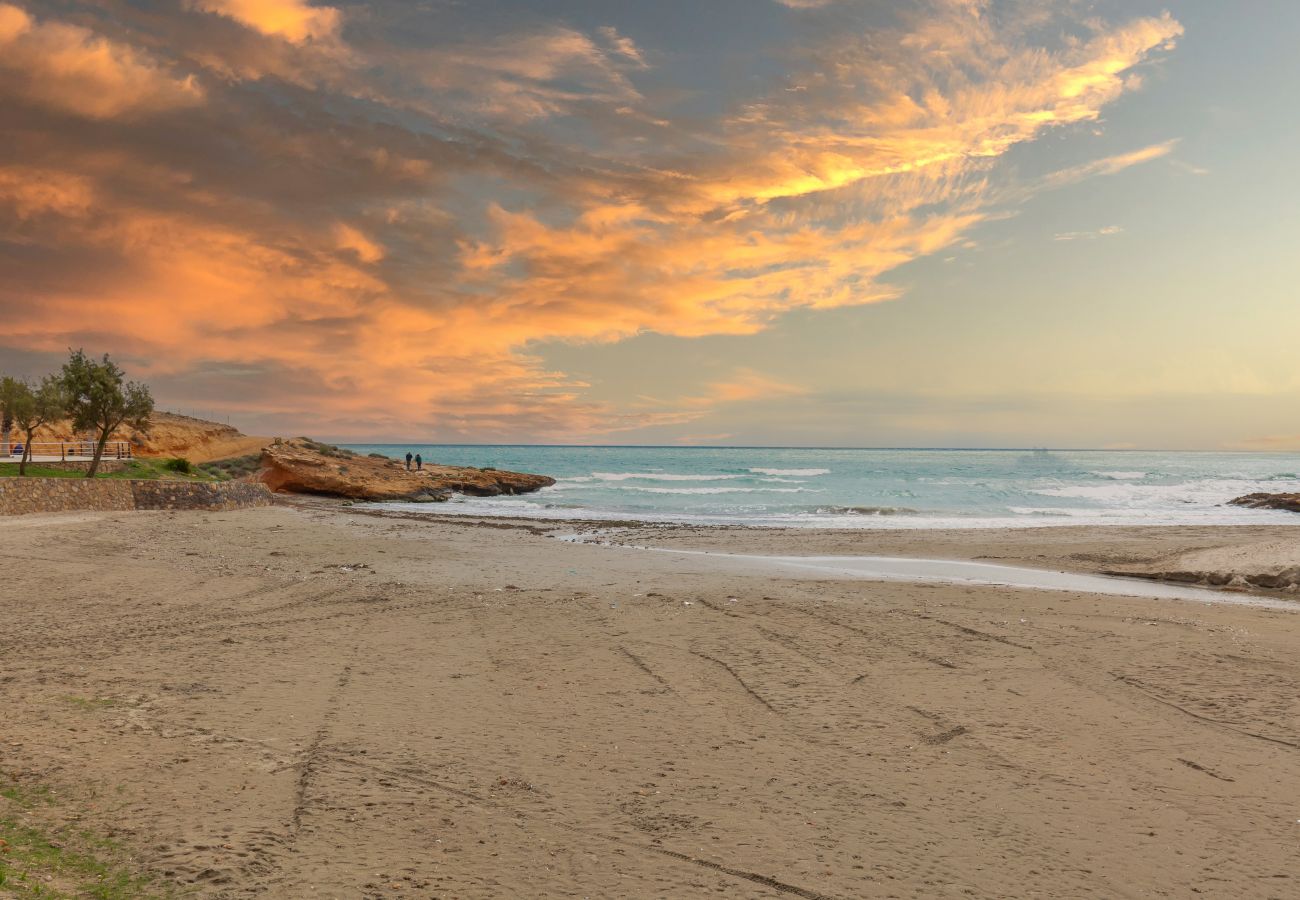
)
(790, 222)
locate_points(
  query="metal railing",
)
(65, 450)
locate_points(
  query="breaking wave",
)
(798, 473)
(717, 490)
(866, 511)
(657, 476)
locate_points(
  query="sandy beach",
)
(317, 701)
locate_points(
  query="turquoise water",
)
(875, 488)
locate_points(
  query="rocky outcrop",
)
(1288, 502)
(303, 466)
(1276, 580)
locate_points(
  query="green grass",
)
(146, 469)
(153, 469)
(91, 703)
(35, 470)
(62, 862)
(27, 796)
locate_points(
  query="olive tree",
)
(100, 399)
(32, 407)
(8, 389)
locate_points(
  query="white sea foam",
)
(798, 473)
(658, 476)
(1128, 494)
(1123, 476)
(530, 508)
(716, 490)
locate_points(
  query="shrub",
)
(326, 449)
(180, 464)
(238, 467)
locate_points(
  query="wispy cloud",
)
(1104, 231)
(311, 216)
(1189, 168)
(1274, 442)
(1109, 165)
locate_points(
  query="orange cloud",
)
(30, 192)
(348, 238)
(71, 69)
(743, 386)
(294, 20)
(370, 241)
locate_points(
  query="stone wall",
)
(47, 495)
(76, 465)
(51, 495)
(199, 495)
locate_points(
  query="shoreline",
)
(923, 570)
(1264, 551)
(318, 700)
(1234, 516)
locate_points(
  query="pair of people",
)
(419, 463)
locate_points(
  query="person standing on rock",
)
(408, 460)
(419, 463)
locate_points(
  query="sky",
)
(758, 222)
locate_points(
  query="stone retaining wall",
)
(199, 495)
(50, 495)
(76, 465)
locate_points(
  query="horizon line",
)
(343, 443)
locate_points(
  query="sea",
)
(863, 488)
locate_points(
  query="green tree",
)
(100, 399)
(32, 407)
(8, 386)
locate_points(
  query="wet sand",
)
(316, 701)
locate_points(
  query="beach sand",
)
(314, 701)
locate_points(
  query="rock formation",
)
(303, 466)
(1288, 502)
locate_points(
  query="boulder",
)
(1288, 502)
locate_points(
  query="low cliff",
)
(303, 466)
(171, 434)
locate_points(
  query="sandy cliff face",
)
(195, 439)
(301, 466)
(171, 434)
